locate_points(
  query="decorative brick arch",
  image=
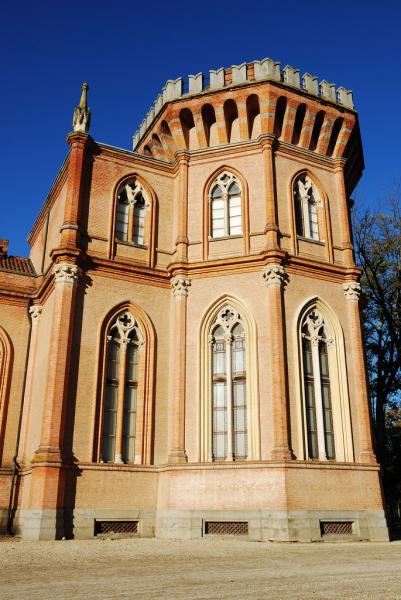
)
(6, 363)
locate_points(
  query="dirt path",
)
(150, 569)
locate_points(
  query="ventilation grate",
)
(116, 527)
(336, 527)
(226, 528)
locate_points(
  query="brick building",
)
(181, 354)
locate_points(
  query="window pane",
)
(219, 420)
(122, 221)
(129, 424)
(217, 192)
(313, 450)
(131, 371)
(238, 360)
(219, 358)
(139, 224)
(235, 222)
(109, 423)
(234, 189)
(113, 361)
(326, 399)
(240, 424)
(218, 218)
(313, 224)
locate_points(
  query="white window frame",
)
(224, 181)
(134, 193)
(340, 401)
(124, 331)
(308, 200)
(226, 322)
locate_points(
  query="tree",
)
(377, 238)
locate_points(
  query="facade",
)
(181, 354)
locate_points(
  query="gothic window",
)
(317, 386)
(131, 211)
(229, 398)
(307, 200)
(226, 206)
(124, 344)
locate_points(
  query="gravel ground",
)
(150, 568)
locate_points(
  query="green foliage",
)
(377, 238)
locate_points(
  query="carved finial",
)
(82, 113)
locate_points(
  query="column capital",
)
(274, 275)
(35, 311)
(66, 273)
(180, 285)
(352, 290)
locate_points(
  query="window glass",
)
(122, 221)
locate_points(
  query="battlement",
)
(236, 75)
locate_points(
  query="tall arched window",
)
(324, 418)
(229, 402)
(318, 406)
(307, 200)
(131, 210)
(226, 206)
(124, 343)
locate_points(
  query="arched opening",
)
(279, 116)
(307, 200)
(229, 391)
(123, 432)
(225, 206)
(317, 126)
(299, 119)
(335, 132)
(325, 411)
(188, 129)
(232, 121)
(147, 151)
(253, 116)
(210, 124)
(157, 146)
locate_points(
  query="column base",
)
(282, 453)
(177, 457)
(40, 524)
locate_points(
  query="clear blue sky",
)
(127, 50)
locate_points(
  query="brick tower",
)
(181, 355)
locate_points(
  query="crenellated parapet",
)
(174, 130)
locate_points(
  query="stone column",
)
(345, 229)
(274, 276)
(70, 228)
(176, 409)
(271, 226)
(357, 373)
(47, 487)
(35, 312)
(182, 237)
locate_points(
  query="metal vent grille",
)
(226, 528)
(116, 527)
(336, 527)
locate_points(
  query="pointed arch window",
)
(124, 344)
(226, 206)
(307, 201)
(317, 387)
(132, 206)
(229, 397)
